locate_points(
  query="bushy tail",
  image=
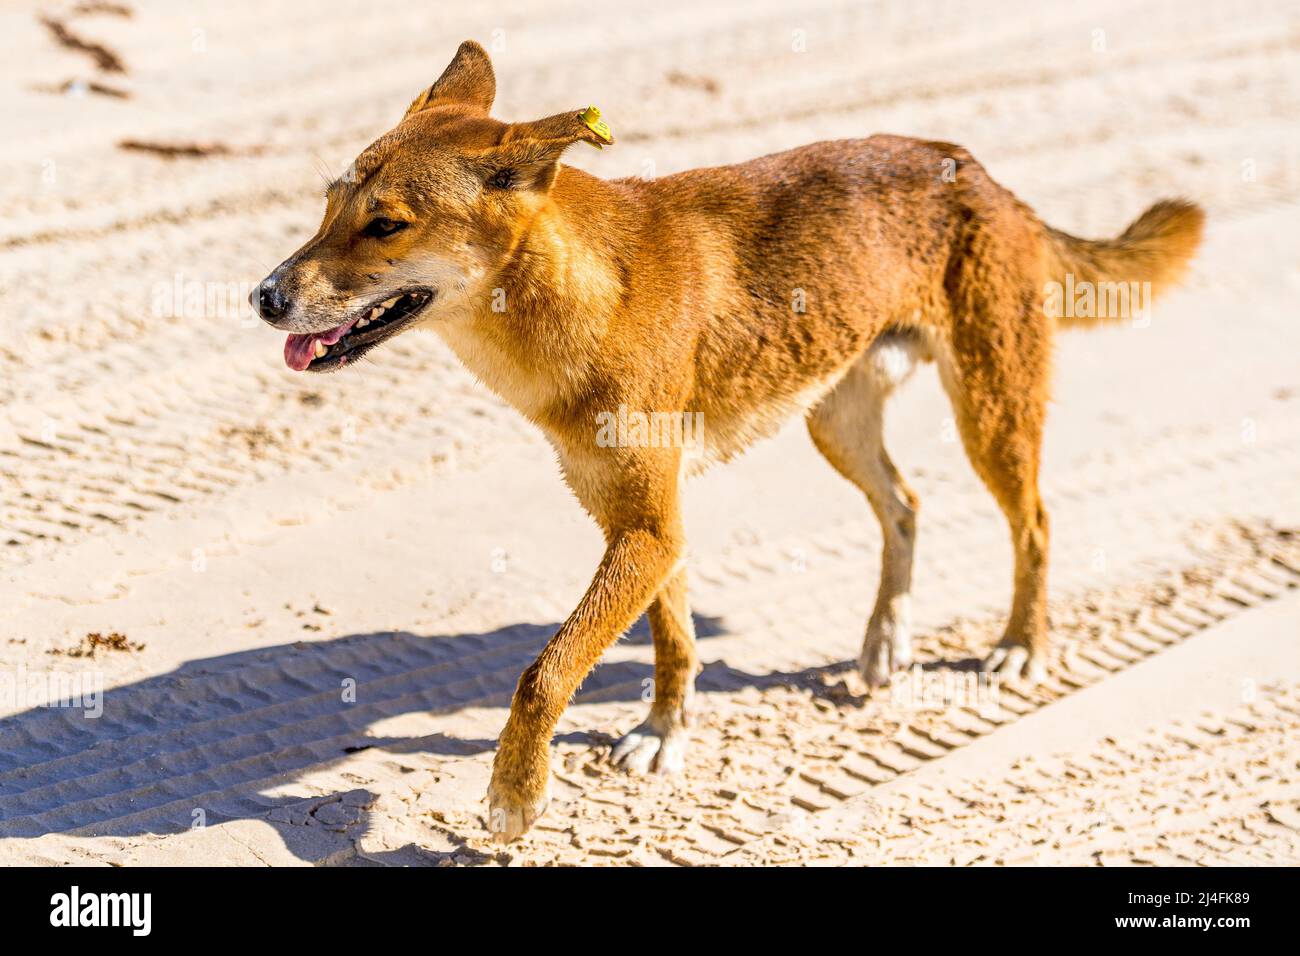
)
(1155, 248)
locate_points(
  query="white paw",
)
(648, 749)
(885, 652)
(1014, 662)
(509, 817)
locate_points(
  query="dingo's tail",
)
(1155, 248)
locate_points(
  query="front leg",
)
(658, 744)
(636, 564)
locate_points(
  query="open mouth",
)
(376, 323)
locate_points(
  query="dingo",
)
(808, 283)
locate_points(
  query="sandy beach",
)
(300, 603)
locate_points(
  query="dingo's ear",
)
(529, 154)
(468, 80)
(582, 126)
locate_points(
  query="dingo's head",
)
(422, 221)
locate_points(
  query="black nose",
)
(271, 303)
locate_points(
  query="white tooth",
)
(376, 312)
(362, 322)
(391, 302)
(321, 348)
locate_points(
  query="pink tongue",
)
(299, 350)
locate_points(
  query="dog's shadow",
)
(201, 744)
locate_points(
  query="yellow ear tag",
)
(591, 117)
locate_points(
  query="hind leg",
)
(848, 428)
(996, 373)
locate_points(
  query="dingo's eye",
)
(503, 179)
(381, 227)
